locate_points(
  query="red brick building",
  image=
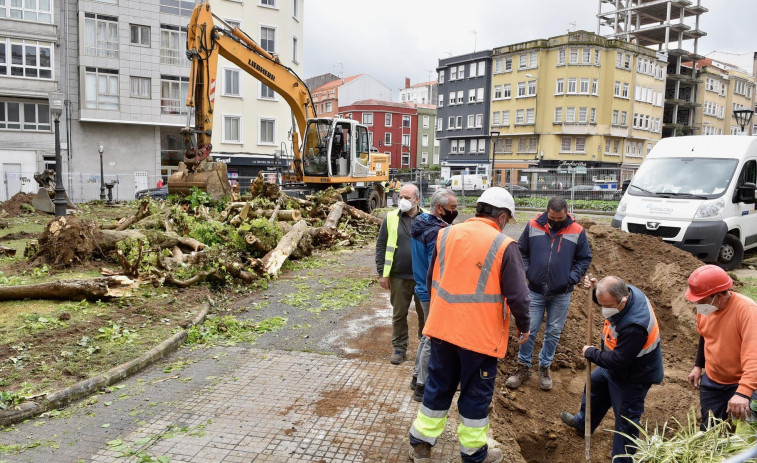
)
(393, 128)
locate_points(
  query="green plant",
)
(197, 197)
(9, 399)
(116, 334)
(229, 331)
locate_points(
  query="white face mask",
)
(706, 309)
(405, 205)
(608, 312)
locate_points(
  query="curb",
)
(86, 387)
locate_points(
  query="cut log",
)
(247, 213)
(275, 213)
(273, 261)
(68, 290)
(107, 239)
(142, 212)
(327, 234)
(360, 215)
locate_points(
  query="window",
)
(100, 35)
(472, 95)
(481, 68)
(439, 123)
(267, 132)
(519, 116)
(506, 91)
(580, 144)
(406, 140)
(295, 45)
(406, 121)
(497, 92)
(388, 138)
(231, 129)
(561, 57)
(453, 73)
(508, 64)
(532, 59)
(37, 11)
(461, 72)
(594, 86)
(615, 117)
(593, 119)
(453, 146)
(586, 55)
(506, 118)
(480, 94)
(472, 70)
(584, 86)
(25, 58)
(596, 57)
(482, 145)
(231, 82)
(426, 120)
(459, 122)
(572, 85)
(521, 89)
(267, 93)
(617, 89)
(471, 121)
(140, 87)
(460, 97)
(329, 107)
(140, 35)
(530, 115)
(626, 86)
(441, 76)
(16, 115)
(522, 61)
(424, 158)
(570, 115)
(451, 122)
(441, 101)
(479, 120)
(582, 114)
(507, 145)
(623, 118)
(558, 115)
(179, 7)
(367, 118)
(387, 120)
(473, 146)
(532, 88)
(173, 43)
(296, 9)
(268, 38)
(424, 139)
(405, 159)
(565, 144)
(573, 55)
(101, 88)
(495, 118)
(560, 86)
(498, 65)
(173, 91)
(452, 98)
(268, 3)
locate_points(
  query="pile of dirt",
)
(13, 205)
(527, 419)
(66, 241)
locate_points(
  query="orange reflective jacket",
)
(467, 306)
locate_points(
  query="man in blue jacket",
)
(629, 362)
(423, 235)
(556, 255)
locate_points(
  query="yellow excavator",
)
(333, 151)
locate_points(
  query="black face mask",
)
(448, 216)
(555, 225)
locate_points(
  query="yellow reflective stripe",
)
(471, 438)
(392, 222)
(428, 428)
(464, 298)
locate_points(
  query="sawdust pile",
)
(527, 420)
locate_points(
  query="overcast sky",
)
(394, 39)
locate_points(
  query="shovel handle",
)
(587, 413)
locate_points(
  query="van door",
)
(748, 222)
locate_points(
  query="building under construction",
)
(672, 28)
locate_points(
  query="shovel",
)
(587, 412)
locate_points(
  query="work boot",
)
(521, 374)
(397, 357)
(492, 456)
(413, 382)
(545, 380)
(418, 394)
(421, 453)
(570, 419)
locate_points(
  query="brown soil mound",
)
(528, 418)
(13, 205)
(66, 241)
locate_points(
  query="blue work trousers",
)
(449, 366)
(626, 400)
(714, 397)
(556, 308)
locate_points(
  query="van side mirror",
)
(745, 193)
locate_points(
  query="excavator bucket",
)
(212, 178)
(43, 201)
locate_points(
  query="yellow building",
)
(577, 98)
(723, 89)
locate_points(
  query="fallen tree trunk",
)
(327, 234)
(273, 261)
(107, 240)
(360, 215)
(68, 290)
(247, 212)
(142, 212)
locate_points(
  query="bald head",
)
(410, 192)
(612, 286)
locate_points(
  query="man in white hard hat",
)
(474, 269)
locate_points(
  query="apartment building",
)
(428, 145)
(29, 61)
(330, 97)
(725, 88)
(421, 93)
(326, 96)
(462, 123)
(574, 98)
(392, 129)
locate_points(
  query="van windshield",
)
(683, 177)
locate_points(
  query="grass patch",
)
(228, 331)
(332, 294)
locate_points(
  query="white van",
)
(473, 182)
(697, 193)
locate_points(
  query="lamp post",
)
(743, 117)
(277, 161)
(100, 149)
(56, 109)
(493, 134)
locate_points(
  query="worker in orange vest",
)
(474, 269)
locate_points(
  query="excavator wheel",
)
(373, 201)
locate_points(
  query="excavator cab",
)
(335, 148)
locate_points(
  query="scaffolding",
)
(671, 27)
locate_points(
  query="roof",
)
(336, 83)
(373, 102)
(422, 84)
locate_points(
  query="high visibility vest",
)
(467, 306)
(641, 313)
(392, 222)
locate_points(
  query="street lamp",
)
(743, 117)
(56, 109)
(493, 134)
(100, 149)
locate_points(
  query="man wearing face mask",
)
(727, 324)
(629, 362)
(556, 254)
(425, 229)
(394, 264)
(477, 281)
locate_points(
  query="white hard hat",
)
(498, 197)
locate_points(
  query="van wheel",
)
(731, 253)
(373, 202)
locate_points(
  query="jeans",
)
(557, 312)
(401, 292)
(626, 400)
(714, 397)
(476, 373)
(420, 371)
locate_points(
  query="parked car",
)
(584, 192)
(518, 191)
(156, 193)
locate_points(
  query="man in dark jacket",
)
(629, 362)
(394, 264)
(555, 254)
(425, 229)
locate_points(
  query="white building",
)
(363, 87)
(421, 93)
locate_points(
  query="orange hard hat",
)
(706, 281)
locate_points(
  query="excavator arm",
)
(205, 42)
